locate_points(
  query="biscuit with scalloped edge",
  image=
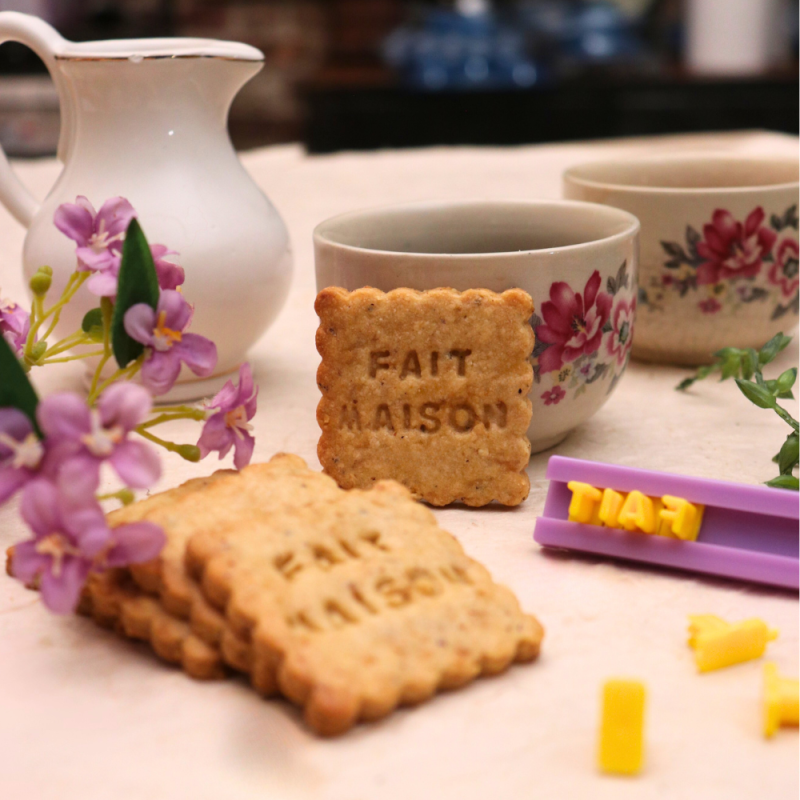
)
(165, 577)
(429, 389)
(114, 601)
(355, 602)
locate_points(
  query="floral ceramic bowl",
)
(578, 261)
(719, 252)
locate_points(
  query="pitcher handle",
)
(46, 42)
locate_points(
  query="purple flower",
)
(230, 426)
(162, 332)
(170, 276)
(21, 452)
(99, 236)
(15, 323)
(91, 436)
(71, 538)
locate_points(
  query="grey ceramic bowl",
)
(578, 261)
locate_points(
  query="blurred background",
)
(362, 74)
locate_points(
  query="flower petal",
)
(251, 405)
(245, 383)
(11, 480)
(13, 423)
(74, 221)
(88, 528)
(590, 292)
(78, 477)
(136, 463)
(176, 309)
(89, 259)
(64, 415)
(170, 276)
(124, 404)
(40, 508)
(135, 543)
(216, 435)
(117, 214)
(198, 353)
(708, 273)
(243, 450)
(725, 226)
(561, 309)
(753, 221)
(139, 322)
(551, 359)
(26, 563)
(61, 592)
(103, 284)
(161, 370)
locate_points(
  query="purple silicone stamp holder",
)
(748, 532)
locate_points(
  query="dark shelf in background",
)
(370, 117)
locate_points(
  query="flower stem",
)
(107, 310)
(125, 496)
(76, 280)
(67, 343)
(191, 413)
(127, 373)
(69, 358)
(171, 446)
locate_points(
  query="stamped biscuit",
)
(356, 602)
(428, 388)
(226, 498)
(114, 601)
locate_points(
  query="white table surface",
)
(86, 715)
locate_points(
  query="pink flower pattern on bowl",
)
(731, 249)
(584, 336)
(554, 396)
(733, 262)
(784, 271)
(710, 305)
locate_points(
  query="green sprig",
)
(744, 366)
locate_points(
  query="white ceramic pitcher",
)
(147, 119)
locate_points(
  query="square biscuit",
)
(356, 602)
(429, 389)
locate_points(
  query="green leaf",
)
(759, 395)
(137, 283)
(788, 456)
(786, 380)
(92, 319)
(730, 367)
(15, 388)
(728, 352)
(93, 324)
(749, 363)
(784, 482)
(774, 346)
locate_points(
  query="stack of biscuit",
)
(348, 603)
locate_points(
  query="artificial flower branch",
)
(52, 451)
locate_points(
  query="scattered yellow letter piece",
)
(684, 518)
(582, 507)
(718, 644)
(780, 700)
(622, 727)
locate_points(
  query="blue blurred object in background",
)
(473, 46)
(585, 32)
(469, 47)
